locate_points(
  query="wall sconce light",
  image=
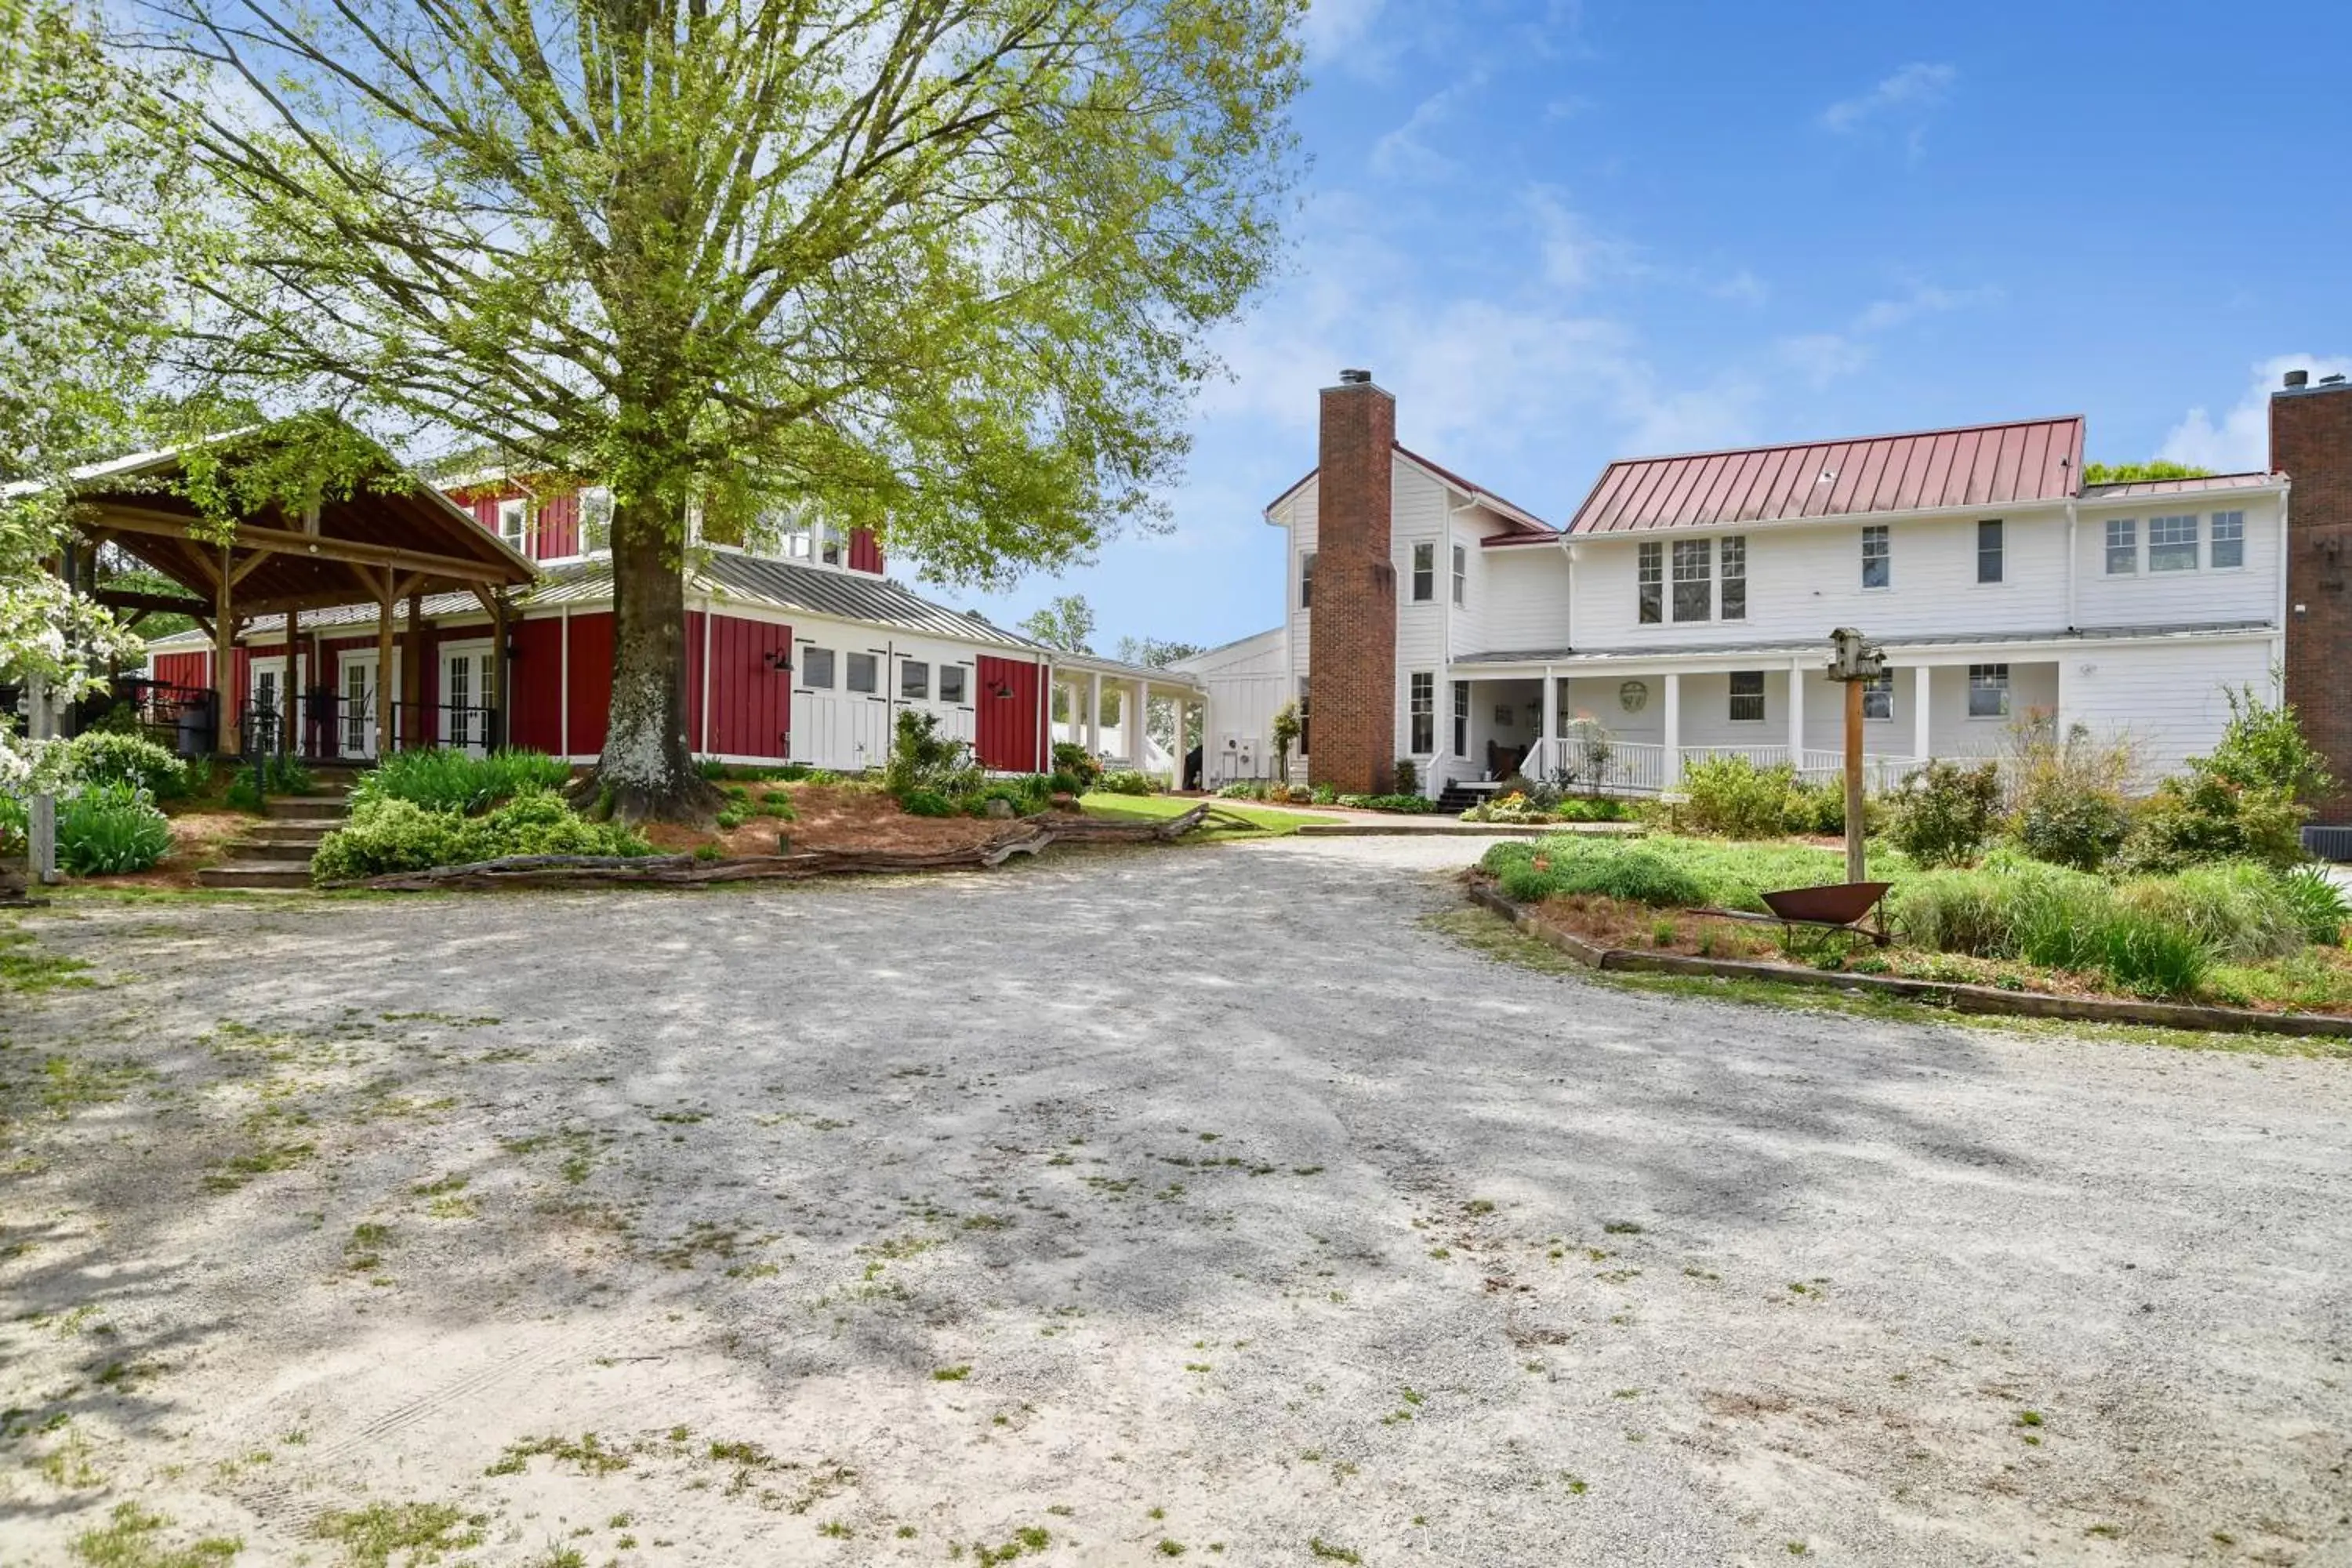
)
(1001, 688)
(778, 660)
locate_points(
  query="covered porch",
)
(1632, 727)
(1105, 706)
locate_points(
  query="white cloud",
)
(2240, 440)
(1823, 357)
(1742, 286)
(1908, 94)
(1348, 33)
(1924, 299)
(1404, 153)
(1574, 255)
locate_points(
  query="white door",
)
(465, 696)
(355, 687)
(265, 699)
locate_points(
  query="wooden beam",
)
(245, 567)
(249, 537)
(408, 585)
(498, 681)
(159, 603)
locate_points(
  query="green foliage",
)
(2083, 829)
(1128, 780)
(272, 774)
(1732, 796)
(444, 779)
(1026, 793)
(1080, 764)
(1944, 813)
(105, 756)
(926, 802)
(1513, 808)
(2238, 910)
(2150, 956)
(1066, 622)
(924, 761)
(1328, 794)
(2263, 748)
(2242, 802)
(2319, 904)
(2068, 802)
(106, 829)
(1414, 804)
(1285, 730)
(133, 1538)
(13, 823)
(1633, 874)
(2132, 473)
(389, 833)
(1408, 777)
(1660, 869)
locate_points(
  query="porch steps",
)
(275, 853)
(1457, 800)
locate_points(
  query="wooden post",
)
(383, 741)
(225, 727)
(414, 730)
(290, 698)
(1854, 853)
(499, 734)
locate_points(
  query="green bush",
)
(2238, 910)
(923, 761)
(1026, 793)
(1635, 877)
(1245, 789)
(105, 756)
(441, 779)
(1128, 780)
(1696, 870)
(271, 775)
(926, 802)
(1081, 764)
(2068, 803)
(1413, 803)
(2198, 817)
(105, 829)
(1953, 911)
(389, 833)
(14, 821)
(2083, 830)
(1944, 813)
(2263, 748)
(2149, 955)
(2319, 903)
(1408, 777)
(1329, 795)
(1732, 796)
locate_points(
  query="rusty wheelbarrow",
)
(1835, 906)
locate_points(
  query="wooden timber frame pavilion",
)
(393, 538)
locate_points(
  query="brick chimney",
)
(1352, 644)
(2311, 443)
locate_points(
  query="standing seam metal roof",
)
(1988, 465)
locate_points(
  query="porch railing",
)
(1647, 768)
(330, 728)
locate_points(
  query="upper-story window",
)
(1650, 581)
(1746, 696)
(828, 547)
(595, 519)
(2173, 544)
(1877, 557)
(1693, 590)
(1461, 576)
(1306, 580)
(1878, 696)
(2123, 546)
(514, 521)
(2228, 550)
(1424, 571)
(1732, 596)
(1988, 551)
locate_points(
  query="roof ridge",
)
(1846, 440)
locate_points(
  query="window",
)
(1989, 552)
(796, 546)
(1734, 592)
(1877, 557)
(1306, 712)
(1650, 574)
(1748, 697)
(1424, 713)
(1424, 572)
(2173, 544)
(1306, 580)
(1461, 575)
(2228, 540)
(952, 682)
(1694, 594)
(514, 517)
(1987, 691)
(862, 673)
(2123, 546)
(914, 680)
(816, 669)
(1460, 718)
(828, 546)
(595, 519)
(1878, 696)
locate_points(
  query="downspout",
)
(2278, 663)
(702, 720)
(563, 687)
(2073, 552)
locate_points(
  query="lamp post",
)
(1854, 663)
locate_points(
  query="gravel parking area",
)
(1207, 1203)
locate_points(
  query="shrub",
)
(1286, 729)
(1081, 764)
(270, 775)
(1408, 777)
(2263, 748)
(2056, 919)
(2197, 816)
(926, 802)
(105, 756)
(537, 822)
(2149, 955)
(2080, 828)
(1067, 783)
(1328, 794)
(1405, 802)
(1128, 780)
(14, 821)
(389, 833)
(2319, 903)
(1509, 808)
(2067, 795)
(1026, 793)
(1732, 796)
(1944, 814)
(1244, 789)
(105, 829)
(924, 761)
(440, 779)
(2237, 911)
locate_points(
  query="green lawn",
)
(1267, 824)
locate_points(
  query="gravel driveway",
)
(1199, 1202)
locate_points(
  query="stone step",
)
(290, 830)
(314, 807)
(258, 874)
(297, 850)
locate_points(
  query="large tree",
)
(943, 268)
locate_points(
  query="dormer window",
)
(514, 521)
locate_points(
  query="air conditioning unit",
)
(2330, 843)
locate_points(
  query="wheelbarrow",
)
(1835, 906)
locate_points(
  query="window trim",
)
(2213, 539)
(1461, 736)
(519, 509)
(2195, 543)
(1650, 582)
(873, 686)
(1424, 570)
(1731, 707)
(1883, 536)
(1461, 577)
(2004, 686)
(1421, 710)
(919, 690)
(1306, 579)
(2130, 527)
(964, 685)
(808, 682)
(2000, 553)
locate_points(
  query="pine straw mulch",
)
(830, 816)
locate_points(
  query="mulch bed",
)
(832, 816)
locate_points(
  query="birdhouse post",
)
(1854, 663)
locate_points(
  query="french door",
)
(465, 696)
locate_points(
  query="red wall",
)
(750, 708)
(591, 682)
(1007, 726)
(555, 532)
(865, 550)
(535, 675)
(193, 669)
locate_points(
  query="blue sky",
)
(1562, 233)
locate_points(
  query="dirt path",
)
(1204, 1197)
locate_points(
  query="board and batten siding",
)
(1245, 682)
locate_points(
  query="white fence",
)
(1643, 768)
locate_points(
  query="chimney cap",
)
(2336, 380)
(1355, 378)
(2295, 378)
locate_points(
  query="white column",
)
(1797, 713)
(1673, 775)
(1093, 712)
(1135, 727)
(41, 813)
(1922, 746)
(1547, 725)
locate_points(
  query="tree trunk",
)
(645, 771)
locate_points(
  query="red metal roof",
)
(2177, 487)
(1974, 465)
(1512, 512)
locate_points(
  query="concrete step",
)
(258, 874)
(315, 808)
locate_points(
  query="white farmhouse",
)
(1687, 606)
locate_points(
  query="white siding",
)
(1246, 681)
(1298, 514)
(1417, 516)
(2161, 598)
(2170, 700)
(1526, 598)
